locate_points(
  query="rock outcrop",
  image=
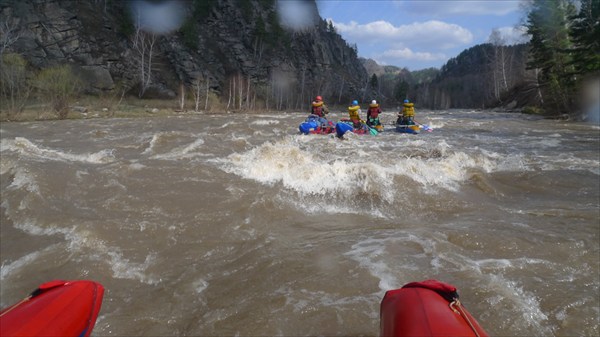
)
(228, 44)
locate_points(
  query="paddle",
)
(424, 126)
(372, 131)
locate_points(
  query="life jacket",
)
(373, 111)
(317, 108)
(408, 110)
(353, 111)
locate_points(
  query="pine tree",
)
(374, 82)
(401, 90)
(585, 34)
(330, 27)
(548, 25)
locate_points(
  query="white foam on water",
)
(8, 268)
(260, 133)
(182, 152)
(30, 227)
(160, 138)
(571, 162)
(305, 173)
(563, 314)
(239, 139)
(135, 166)
(23, 179)
(269, 116)
(561, 161)
(152, 144)
(79, 174)
(305, 301)
(112, 182)
(5, 166)
(227, 124)
(346, 169)
(29, 149)
(446, 172)
(335, 208)
(522, 301)
(80, 240)
(123, 268)
(200, 285)
(438, 165)
(437, 124)
(507, 293)
(546, 142)
(265, 122)
(373, 254)
(398, 254)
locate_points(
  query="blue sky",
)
(418, 34)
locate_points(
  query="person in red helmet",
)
(319, 108)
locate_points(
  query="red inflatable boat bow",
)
(427, 308)
(55, 308)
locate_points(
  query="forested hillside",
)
(549, 75)
(480, 77)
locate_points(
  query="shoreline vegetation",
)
(95, 107)
(90, 107)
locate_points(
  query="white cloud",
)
(408, 54)
(440, 8)
(431, 34)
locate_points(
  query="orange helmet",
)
(319, 98)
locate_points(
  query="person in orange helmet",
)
(319, 108)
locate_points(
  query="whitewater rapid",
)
(238, 225)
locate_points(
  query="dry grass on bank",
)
(98, 107)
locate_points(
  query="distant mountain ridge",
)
(373, 67)
(483, 76)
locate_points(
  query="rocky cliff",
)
(245, 50)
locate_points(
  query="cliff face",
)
(228, 44)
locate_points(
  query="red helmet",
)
(319, 98)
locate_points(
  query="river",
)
(235, 224)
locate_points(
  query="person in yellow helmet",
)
(407, 115)
(354, 113)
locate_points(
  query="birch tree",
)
(13, 83)
(9, 34)
(143, 47)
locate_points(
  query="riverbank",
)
(102, 108)
(89, 107)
